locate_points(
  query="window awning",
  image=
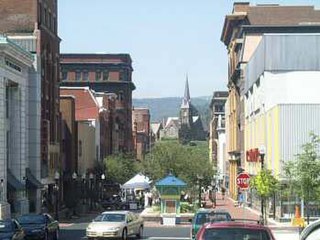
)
(13, 182)
(32, 181)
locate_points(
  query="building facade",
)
(217, 138)
(241, 34)
(38, 19)
(16, 64)
(282, 106)
(111, 73)
(141, 131)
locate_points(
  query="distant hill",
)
(162, 108)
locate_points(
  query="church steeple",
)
(186, 98)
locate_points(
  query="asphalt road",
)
(77, 232)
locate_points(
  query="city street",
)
(77, 231)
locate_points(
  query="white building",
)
(33, 170)
(15, 69)
(282, 103)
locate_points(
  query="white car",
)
(311, 232)
(119, 224)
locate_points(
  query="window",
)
(64, 75)
(80, 148)
(105, 75)
(78, 75)
(45, 16)
(49, 20)
(120, 96)
(122, 75)
(85, 75)
(98, 75)
(7, 102)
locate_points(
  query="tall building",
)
(141, 131)
(14, 80)
(217, 139)
(33, 25)
(242, 32)
(109, 73)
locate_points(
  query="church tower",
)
(186, 109)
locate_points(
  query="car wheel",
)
(124, 234)
(140, 233)
(56, 235)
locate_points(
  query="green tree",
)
(266, 185)
(184, 161)
(120, 168)
(304, 172)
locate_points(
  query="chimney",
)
(241, 7)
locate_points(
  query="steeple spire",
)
(186, 98)
(186, 90)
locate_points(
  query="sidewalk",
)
(246, 212)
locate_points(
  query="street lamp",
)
(1, 191)
(200, 178)
(83, 188)
(103, 177)
(74, 177)
(56, 178)
(91, 190)
(262, 152)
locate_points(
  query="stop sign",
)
(243, 180)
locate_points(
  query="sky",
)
(166, 39)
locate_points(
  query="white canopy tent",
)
(139, 181)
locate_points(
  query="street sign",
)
(243, 180)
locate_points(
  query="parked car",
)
(311, 232)
(233, 230)
(10, 229)
(114, 203)
(39, 226)
(203, 216)
(120, 224)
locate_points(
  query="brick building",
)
(108, 73)
(141, 131)
(33, 25)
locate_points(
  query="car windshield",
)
(235, 234)
(110, 217)
(219, 217)
(202, 218)
(5, 226)
(31, 219)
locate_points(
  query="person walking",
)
(223, 192)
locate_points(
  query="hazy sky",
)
(165, 38)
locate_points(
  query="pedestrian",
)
(223, 192)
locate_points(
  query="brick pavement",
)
(235, 211)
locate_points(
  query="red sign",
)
(243, 180)
(253, 155)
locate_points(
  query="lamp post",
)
(56, 186)
(213, 184)
(84, 188)
(262, 152)
(200, 178)
(1, 191)
(74, 183)
(103, 177)
(91, 190)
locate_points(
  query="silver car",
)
(119, 224)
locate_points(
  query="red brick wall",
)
(18, 15)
